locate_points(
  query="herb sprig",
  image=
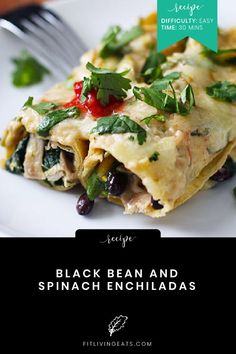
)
(115, 40)
(55, 117)
(222, 57)
(154, 157)
(152, 67)
(155, 97)
(107, 83)
(28, 71)
(154, 117)
(222, 91)
(42, 107)
(120, 124)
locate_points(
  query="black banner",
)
(117, 290)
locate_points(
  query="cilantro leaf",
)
(53, 118)
(42, 107)
(154, 157)
(115, 40)
(222, 91)
(94, 186)
(107, 83)
(118, 124)
(158, 117)
(187, 97)
(152, 67)
(163, 83)
(155, 97)
(222, 57)
(109, 38)
(28, 71)
(87, 86)
(29, 102)
(126, 38)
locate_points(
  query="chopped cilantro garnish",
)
(163, 83)
(28, 70)
(152, 67)
(222, 57)
(118, 124)
(55, 117)
(154, 157)
(157, 117)
(223, 91)
(42, 107)
(107, 83)
(187, 97)
(115, 40)
(87, 86)
(155, 97)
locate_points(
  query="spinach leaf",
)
(55, 117)
(223, 91)
(152, 67)
(59, 183)
(94, 186)
(118, 124)
(42, 107)
(28, 70)
(51, 158)
(15, 164)
(115, 40)
(107, 83)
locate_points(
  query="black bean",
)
(84, 206)
(156, 204)
(116, 183)
(226, 172)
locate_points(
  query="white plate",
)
(27, 208)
